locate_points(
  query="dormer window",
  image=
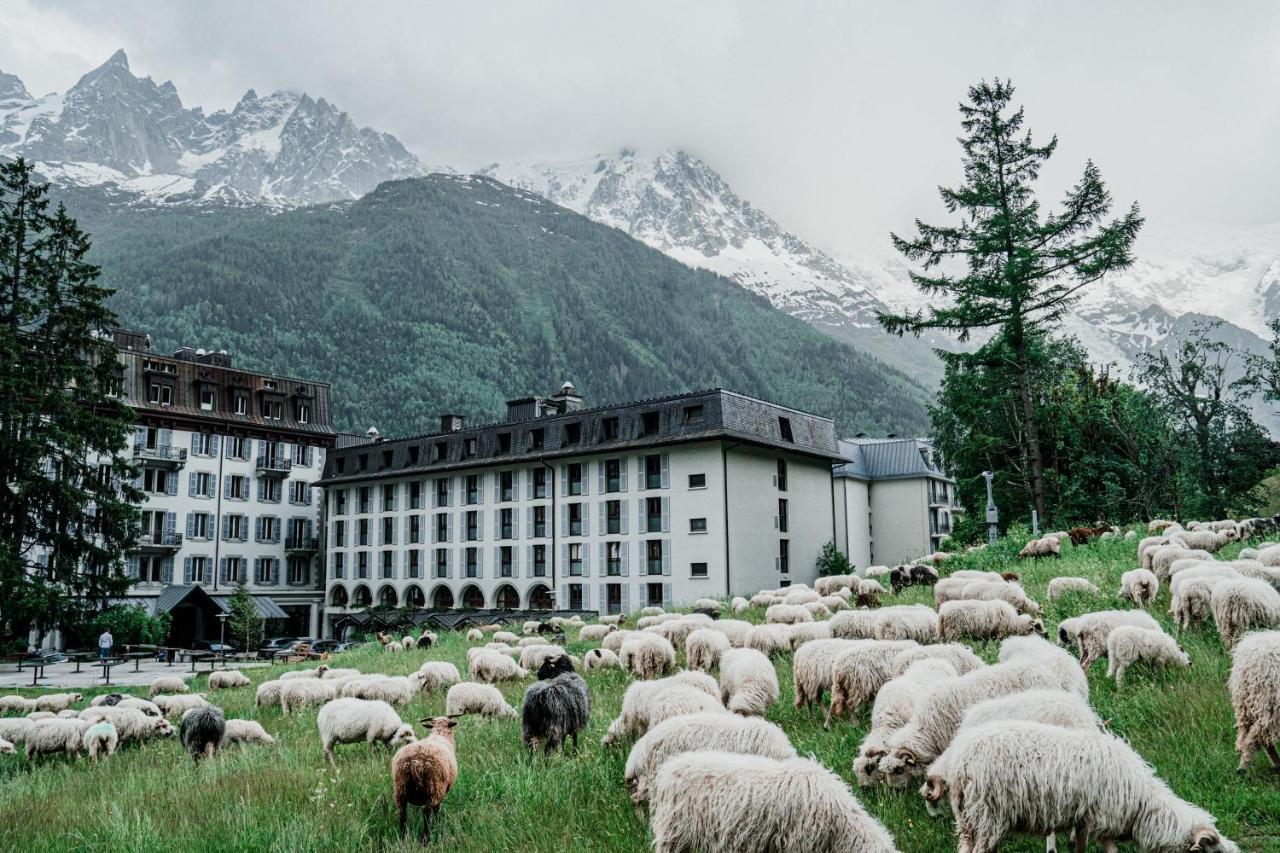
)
(242, 404)
(439, 451)
(272, 410)
(504, 442)
(693, 414)
(784, 429)
(271, 384)
(160, 394)
(650, 423)
(302, 413)
(572, 434)
(536, 438)
(469, 448)
(208, 399)
(609, 429)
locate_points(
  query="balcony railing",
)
(302, 543)
(274, 465)
(160, 541)
(175, 456)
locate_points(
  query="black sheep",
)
(201, 731)
(915, 575)
(556, 707)
(111, 699)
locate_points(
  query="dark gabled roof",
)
(267, 607)
(720, 414)
(889, 459)
(175, 594)
(451, 620)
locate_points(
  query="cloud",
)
(839, 119)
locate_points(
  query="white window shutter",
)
(666, 595)
(622, 473)
(666, 470)
(626, 596)
(625, 554)
(604, 559)
(564, 481)
(666, 557)
(586, 518)
(188, 573)
(666, 515)
(604, 516)
(600, 475)
(528, 518)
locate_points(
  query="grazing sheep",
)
(37, 716)
(176, 706)
(984, 620)
(748, 682)
(600, 659)
(807, 632)
(1158, 525)
(312, 672)
(530, 627)
(56, 701)
(1064, 708)
(100, 739)
(739, 604)
(764, 599)
(16, 703)
(614, 619)
(103, 699)
(422, 772)
(1255, 696)
(1037, 778)
(1191, 596)
(859, 672)
(719, 802)
(833, 603)
(828, 584)
(393, 646)
(1128, 645)
(981, 589)
(900, 622)
(525, 642)
(492, 667)
(1146, 549)
(245, 731)
(708, 604)
(351, 720)
(14, 730)
(787, 614)
(227, 678)
(1060, 586)
(613, 642)
(470, 697)
(392, 689)
(902, 577)
(647, 655)
(924, 738)
(652, 610)
(1254, 569)
(146, 706)
(895, 705)
(703, 648)
(1239, 604)
(130, 723)
(531, 657)
(813, 668)
(697, 732)
(6, 747)
(769, 639)
(959, 656)
(475, 635)
(1046, 546)
(408, 642)
(201, 731)
(677, 630)
(434, 675)
(302, 692)
(647, 703)
(46, 737)
(505, 637)
(1163, 558)
(557, 706)
(268, 693)
(333, 674)
(818, 610)
(167, 684)
(1203, 540)
(595, 633)
(1140, 586)
(1054, 660)
(427, 639)
(1089, 631)
(799, 597)
(735, 630)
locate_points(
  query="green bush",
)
(832, 562)
(130, 624)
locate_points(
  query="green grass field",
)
(286, 797)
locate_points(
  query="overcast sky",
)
(839, 119)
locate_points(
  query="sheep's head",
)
(867, 764)
(1010, 576)
(403, 736)
(900, 767)
(163, 727)
(933, 791)
(1207, 840)
(1037, 625)
(553, 666)
(76, 697)
(442, 726)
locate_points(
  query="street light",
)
(222, 641)
(993, 515)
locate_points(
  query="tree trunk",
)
(1032, 435)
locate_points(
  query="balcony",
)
(160, 457)
(302, 544)
(163, 542)
(272, 467)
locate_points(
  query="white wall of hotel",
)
(717, 521)
(892, 521)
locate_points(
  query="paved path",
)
(64, 675)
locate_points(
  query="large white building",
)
(655, 502)
(229, 460)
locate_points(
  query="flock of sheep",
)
(1010, 747)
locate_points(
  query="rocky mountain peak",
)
(12, 89)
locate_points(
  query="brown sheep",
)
(1081, 535)
(422, 772)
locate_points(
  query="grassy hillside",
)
(286, 798)
(453, 294)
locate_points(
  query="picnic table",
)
(212, 657)
(106, 664)
(138, 657)
(37, 668)
(80, 657)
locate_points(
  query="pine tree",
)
(244, 620)
(68, 490)
(1023, 269)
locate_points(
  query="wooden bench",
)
(106, 664)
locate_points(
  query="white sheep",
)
(1128, 645)
(615, 619)
(613, 642)
(146, 706)
(978, 589)
(859, 672)
(799, 597)
(828, 584)
(1092, 642)
(475, 635)
(350, 720)
(1158, 525)
(531, 657)
(311, 672)
(695, 732)
(813, 667)
(56, 701)
(647, 655)
(652, 610)
(525, 642)
(268, 693)
(167, 684)
(817, 610)
(806, 632)
(1064, 708)
(677, 630)
(435, 674)
(724, 801)
(13, 702)
(100, 740)
(130, 723)
(177, 705)
(739, 604)
(244, 731)
(895, 705)
(769, 639)
(471, 697)
(1203, 540)
(408, 642)
(748, 682)
(1030, 777)
(393, 647)
(1190, 596)
(764, 599)
(734, 630)
(595, 633)
(1057, 661)
(1163, 558)
(46, 737)
(492, 667)
(227, 678)
(301, 692)
(335, 673)
(1045, 546)
(14, 729)
(984, 620)
(834, 603)
(1239, 604)
(787, 614)
(707, 604)
(1060, 586)
(959, 656)
(900, 622)
(6, 747)
(1139, 586)
(600, 659)
(703, 648)
(530, 627)
(507, 637)
(392, 689)
(647, 703)
(1254, 684)
(1146, 546)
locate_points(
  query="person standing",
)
(105, 642)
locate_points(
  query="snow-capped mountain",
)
(114, 128)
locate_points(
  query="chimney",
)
(450, 423)
(525, 409)
(373, 435)
(567, 400)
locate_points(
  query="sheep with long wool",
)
(859, 673)
(647, 655)
(492, 667)
(1254, 685)
(984, 620)
(703, 648)
(1141, 586)
(46, 737)
(647, 703)
(748, 682)
(557, 706)
(1128, 645)
(130, 723)
(1241, 604)
(245, 731)
(770, 639)
(423, 772)
(473, 697)
(352, 720)
(960, 657)
(1063, 584)
(895, 705)
(813, 667)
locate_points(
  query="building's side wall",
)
(900, 526)
(853, 511)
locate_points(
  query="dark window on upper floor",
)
(537, 438)
(784, 427)
(575, 478)
(414, 454)
(693, 414)
(572, 435)
(613, 475)
(608, 429)
(697, 481)
(781, 476)
(539, 482)
(469, 446)
(439, 451)
(649, 423)
(504, 442)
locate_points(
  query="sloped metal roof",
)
(889, 459)
(267, 607)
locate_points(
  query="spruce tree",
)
(1007, 266)
(244, 620)
(67, 508)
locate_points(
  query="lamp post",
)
(993, 515)
(222, 641)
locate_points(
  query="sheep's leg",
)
(402, 818)
(1080, 840)
(426, 825)
(1051, 843)
(1273, 755)
(208, 749)
(575, 743)
(1109, 846)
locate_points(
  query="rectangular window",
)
(650, 422)
(414, 455)
(613, 517)
(299, 492)
(442, 562)
(653, 472)
(697, 525)
(239, 488)
(472, 562)
(440, 451)
(784, 555)
(415, 529)
(693, 414)
(208, 398)
(442, 491)
(539, 561)
(781, 476)
(362, 532)
(575, 596)
(272, 410)
(299, 571)
(613, 475)
(504, 442)
(339, 565)
(237, 528)
(537, 438)
(609, 429)
(574, 477)
(505, 523)
(473, 526)
(340, 533)
(507, 486)
(270, 490)
(201, 525)
(388, 531)
(653, 515)
(653, 594)
(698, 570)
(473, 488)
(539, 522)
(242, 404)
(539, 483)
(613, 559)
(388, 565)
(506, 561)
(575, 519)
(161, 395)
(270, 528)
(362, 565)
(388, 497)
(653, 556)
(202, 485)
(200, 570)
(784, 429)
(782, 515)
(697, 481)
(236, 570)
(414, 567)
(155, 481)
(415, 494)
(575, 559)
(366, 499)
(613, 603)
(202, 443)
(340, 502)
(298, 455)
(572, 435)
(442, 527)
(469, 448)
(302, 412)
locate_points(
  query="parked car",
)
(294, 646)
(322, 646)
(216, 648)
(275, 645)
